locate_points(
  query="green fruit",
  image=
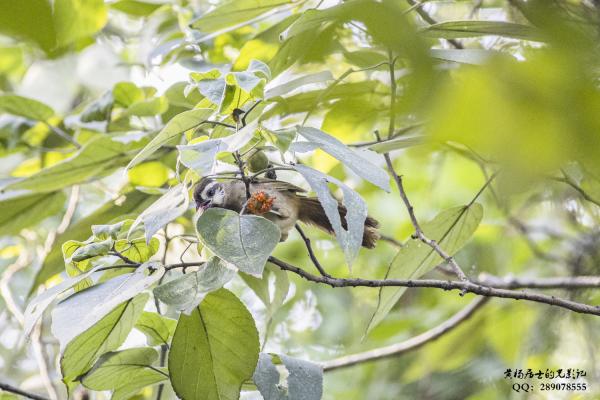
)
(258, 161)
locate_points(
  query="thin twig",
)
(391, 240)
(11, 304)
(431, 21)
(43, 364)
(123, 257)
(311, 253)
(11, 389)
(248, 112)
(569, 181)
(410, 344)
(59, 132)
(463, 286)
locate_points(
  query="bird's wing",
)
(280, 186)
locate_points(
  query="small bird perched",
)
(280, 202)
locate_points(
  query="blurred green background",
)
(486, 86)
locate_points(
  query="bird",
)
(280, 202)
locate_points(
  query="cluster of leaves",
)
(242, 118)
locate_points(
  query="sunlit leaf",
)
(157, 328)
(17, 213)
(214, 349)
(234, 12)
(81, 350)
(175, 127)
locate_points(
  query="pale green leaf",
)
(25, 107)
(452, 229)
(349, 233)
(106, 335)
(125, 372)
(187, 291)
(464, 29)
(234, 12)
(357, 162)
(175, 127)
(245, 241)
(288, 379)
(157, 328)
(84, 309)
(98, 156)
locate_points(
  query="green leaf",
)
(127, 94)
(148, 108)
(77, 19)
(357, 162)
(451, 228)
(30, 20)
(157, 328)
(214, 349)
(302, 379)
(99, 110)
(401, 142)
(175, 127)
(350, 236)
(234, 12)
(465, 29)
(135, 8)
(137, 250)
(17, 213)
(187, 291)
(164, 210)
(97, 157)
(25, 107)
(84, 309)
(37, 306)
(113, 231)
(77, 251)
(53, 264)
(106, 335)
(125, 372)
(245, 241)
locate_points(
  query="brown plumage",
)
(287, 204)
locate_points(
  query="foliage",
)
(113, 111)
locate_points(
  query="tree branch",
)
(11, 389)
(463, 286)
(311, 253)
(430, 20)
(407, 345)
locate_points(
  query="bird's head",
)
(209, 193)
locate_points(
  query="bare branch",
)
(430, 20)
(11, 389)
(463, 286)
(311, 253)
(407, 345)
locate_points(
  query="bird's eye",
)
(211, 192)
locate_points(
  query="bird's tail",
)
(311, 212)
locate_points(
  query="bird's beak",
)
(203, 205)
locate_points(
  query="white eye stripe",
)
(207, 189)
